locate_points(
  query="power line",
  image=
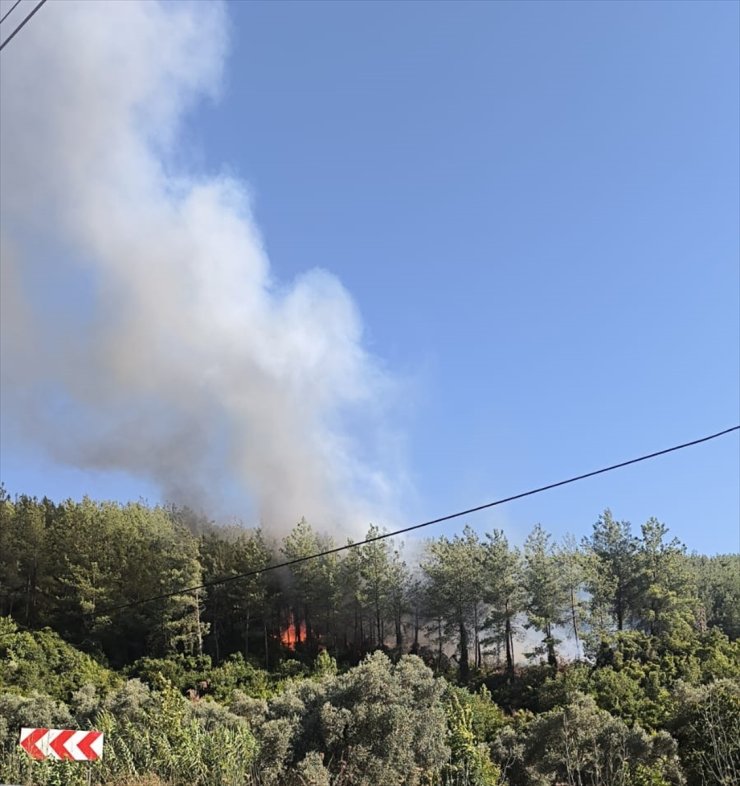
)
(18, 29)
(336, 550)
(9, 11)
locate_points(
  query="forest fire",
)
(293, 634)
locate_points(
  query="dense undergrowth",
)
(644, 718)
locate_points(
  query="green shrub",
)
(41, 661)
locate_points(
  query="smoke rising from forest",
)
(142, 329)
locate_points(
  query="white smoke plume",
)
(141, 327)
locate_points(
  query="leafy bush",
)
(706, 722)
(470, 762)
(582, 744)
(378, 723)
(42, 661)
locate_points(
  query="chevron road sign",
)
(62, 744)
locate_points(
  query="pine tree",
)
(503, 590)
(668, 597)
(572, 567)
(454, 570)
(613, 573)
(547, 599)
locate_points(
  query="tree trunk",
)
(476, 640)
(575, 622)
(552, 658)
(619, 606)
(29, 597)
(399, 631)
(199, 630)
(464, 664)
(508, 635)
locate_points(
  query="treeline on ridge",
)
(69, 566)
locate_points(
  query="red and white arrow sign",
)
(62, 744)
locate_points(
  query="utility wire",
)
(236, 577)
(18, 29)
(9, 11)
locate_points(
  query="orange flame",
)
(293, 634)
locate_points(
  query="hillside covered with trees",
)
(610, 662)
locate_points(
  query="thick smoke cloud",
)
(141, 327)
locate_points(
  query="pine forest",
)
(468, 661)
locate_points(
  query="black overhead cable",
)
(18, 29)
(9, 11)
(215, 582)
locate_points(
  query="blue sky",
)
(534, 207)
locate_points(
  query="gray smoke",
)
(141, 327)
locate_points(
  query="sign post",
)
(63, 744)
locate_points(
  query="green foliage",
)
(36, 710)
(41, 661)
(560, 689)
(470, 762)
(235, 673)
(237, 611)
(717, 656)
(487, 718)
(572, 566)
(186, 744)
(324, 665)
(383, 583)
(636, 673)
(454, 569)
(180, 671)
(547, 594)
(291, 669)
(313, 594)
(25, 559)
(503, 590)
(197, 677)
(667, 601)
(68, 566)
(33, 710)
(612, 574)
(659, 629)
(718, 583)
(385, 723)
(582, 744)
(378, 723)
(706, 722)
(64, 565)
